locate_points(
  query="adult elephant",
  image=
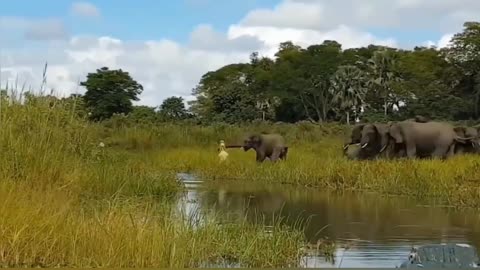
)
(373, 139)
(471, 146)
(430, 139)
(271, 146)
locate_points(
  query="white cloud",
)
(167, 68)
(85, 9)
(288, 14)
(441, 15)
(35, 29)
(163, 67)
(52, 29)
(443, 42)
(273, 36)
(204, 37)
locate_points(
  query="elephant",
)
(266, 145)
(472, 146)
(373, 139)
(420, 119)
(430, 139)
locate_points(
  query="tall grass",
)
(50, 229)
(314, 159)
(67, 201)
(454, 182)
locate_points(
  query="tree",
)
(383, 76)
(427, 87)
(110, 92)
(226, 95)
(173, 108)
(143, 114)
(464, 52)
(323, 83)
(348, 85)
(304, 76)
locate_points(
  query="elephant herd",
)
(412, 138)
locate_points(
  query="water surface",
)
(370, 230)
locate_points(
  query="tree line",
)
(325, 83)
(320, 83)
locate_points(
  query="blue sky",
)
(192, 37)
(156, 19)
(140, 20)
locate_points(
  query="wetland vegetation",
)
(91, 181)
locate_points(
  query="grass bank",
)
(52, 229)
(315, 159)
(68, 200)
(454, 182)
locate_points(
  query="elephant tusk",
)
(364, 145)
(345, 146)
(383, 148)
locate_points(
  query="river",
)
(369, 230)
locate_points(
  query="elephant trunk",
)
(464, 140)
(346, 145)
(233, 146)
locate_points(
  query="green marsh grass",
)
(453, 182)
(51, 229)
(67, 201)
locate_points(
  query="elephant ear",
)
(382, 131)
(256, 139)
(396, 133)
(460, 131)
(356, 133)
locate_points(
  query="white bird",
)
(222, 151)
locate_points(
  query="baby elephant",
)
(270, 146)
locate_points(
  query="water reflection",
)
(370, 230)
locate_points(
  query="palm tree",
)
(382, 74)
(349, 89)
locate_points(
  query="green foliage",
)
(321, 83)
(299, 83)
(110, 92)
(143, 114)
(173, 108)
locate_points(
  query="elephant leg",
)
(277, 151)
(400, 153)
(440, 152)
(260, 156)
(451, 150)
(283, 154)
(411, 150)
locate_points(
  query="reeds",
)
(67, 200)
(453, 182)
(51, 229)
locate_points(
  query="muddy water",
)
(369, 230)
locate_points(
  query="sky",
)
(168, 45)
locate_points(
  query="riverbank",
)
(454, 182)
(82, 194)
(68, 199)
